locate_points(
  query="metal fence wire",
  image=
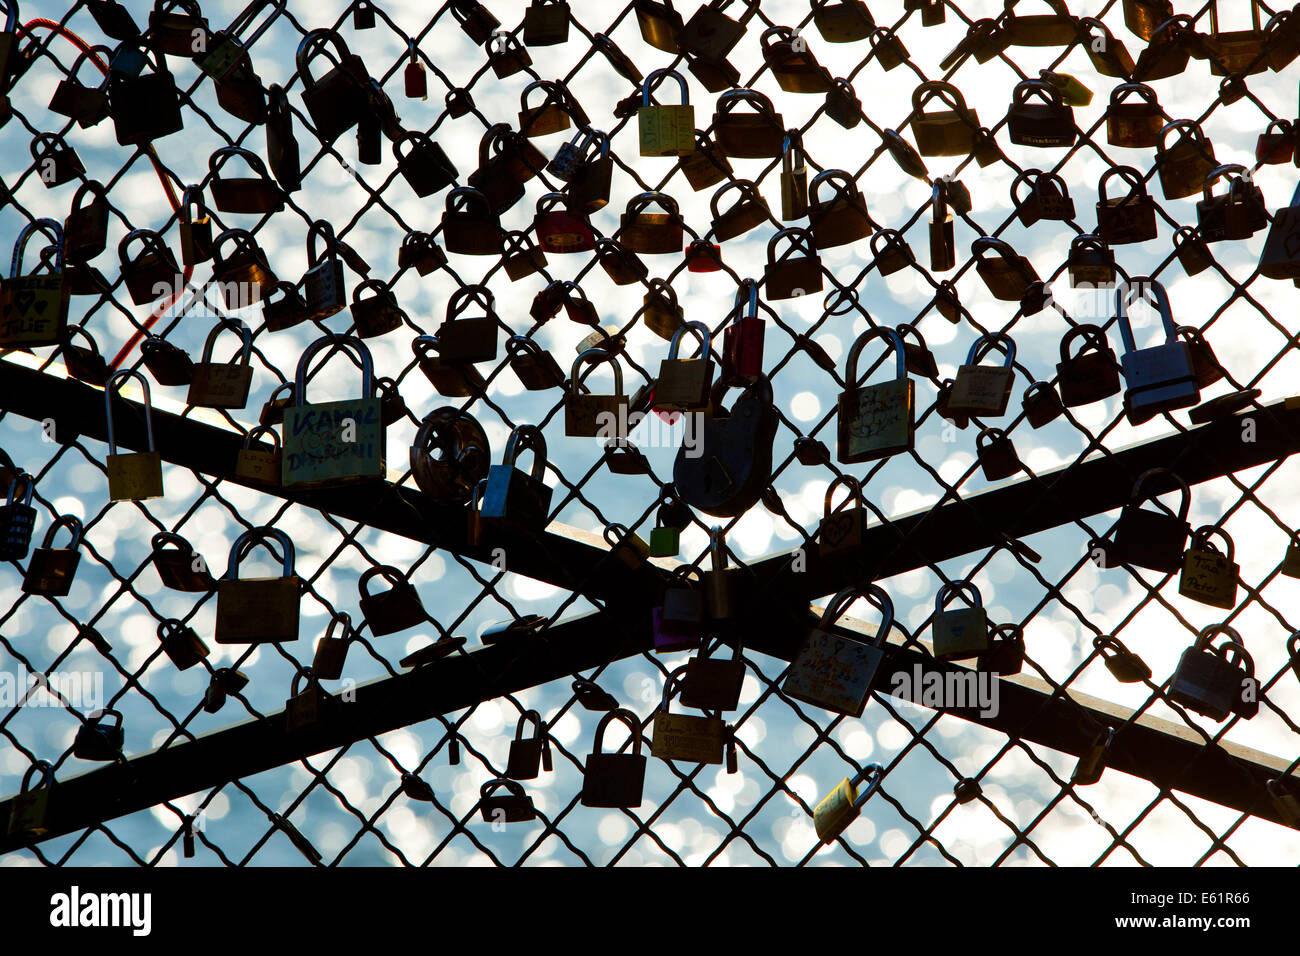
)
(1027, 656)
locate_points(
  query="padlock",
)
(1208, 575)
(659, 23)
(180, 568)
(1280, 256)
(1093, 760)
(1235, 52)
(464, 456)
(1159, 378)
(519, 256)
(588, 188)
(759, 134)
(962, 633)
(535, 367)
(469, 339)
(257, 194)
(133, 476)
(651, 233)
(507, 160)
(515, 498)
(561, 230)
(506, 55)
(1143, 16)
(152, 273)
(1184, 165)
(195, 227)
(747, 212)
(947, 132)
(719, 580)
(1136, 124)
(836, 672)
(34, 307)
(943, 246)
(1153, 539)
(475, 20)
(52, 569)
(1008, 275)
(336, 101)
(84, 364)
(839, 220)
(1194, 255)
(726, 473)
(286, 312)
(796, 70)
(323, 286)
(842, 104)
(422, 163)
(528, 754)
(244, 275)
(891, 251)
(588, 415)
(1282, 39)
(469, 226)
(178, 28)
(29, 809)
(310, 707)
(984, 390)
(841, 529)
(1238, 214)
(1125, 666)
(686, 737)
(17, 519)
(679, 621)
(625, 545)
(742, 339)
(144, 107)
(843, 805)
(1291, 560)
(996, 454)
(1205, 365)
(665, 130)
(258, 610)
(1091, 263)
(546, 23)
(706, 166)
(87, 105)
(282, 153)
(1109, 55)
(621, 265)
(100, 737)
(220, 384)
(452, 379)
(1048, 197)
(85, 230)
(842, 21)
(551, 117)
(684, 384)
(1209, 681)
(1039, 29)
(393, 610)
(1041, 404)
(183, 647)
(1168, 49)
(887, 48)
(1043, 124)
(339, 442)
(709, 33)
(376, 314)
(614, 780)
(1276, 145)
(261, 465)
(660, 311)
(876, 421)
(1092, 373)
(797, 271)
(1006, 650)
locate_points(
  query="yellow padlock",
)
(135, 476)
(665, 130)
(843, 805)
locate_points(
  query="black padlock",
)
(997, 455)
(323, 287)
(52, 569)
(331, 652)
(100, 737)
(281, 145)
(85, 231)
(528, 754)
(1090, 375)
(396, 609)
(423, 164)
(144, 107)
(514, 806)
(17, 519)
(1006, 650)
(87, 105)
(181, 567)
(56, 162)
(1151, 539)
(546, 22)
(181, 644)
(338, 100)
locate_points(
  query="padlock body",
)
(613, 780)
(960, 633)
(833, 672)
(1210, 578)
(257, 610)
(688, 737)
(1151, 539)
(333, 443)
(876, 421)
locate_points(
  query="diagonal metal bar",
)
(1150, 748)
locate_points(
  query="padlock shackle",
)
(877, 774)
(250, 539)
(1186, 127)
(389, 573)
(325, 230)
(110, 387)
(895, 343)
(854, 488)
(462, 198)
(1038, 177)
(1136, 497)
(747, 291)
(525, 437)
(1040, 88)
(346, 619)
(513, 787)
(262, 430)
(314, 44)
(1214, 16)
(673, 680)
(1153, 292)
(872, 593)
(29, 482)
(1118, 94)
(460, 299)
(245, 335)
(71, 522)
(924, 92)
(842, 183)
(625, 717)
(592, 357)
(729, 100)
(990, 341)
(749, 192)
(312, 681)
(43, 767)
(1224, 171)
(1096, 340)
(530, 717)
(650, 84)
(99, 716)
(700, 329)
(642, 200)
(1201, 541)
(342, 342)
(949, 590)
(220, 156)
(52, 229)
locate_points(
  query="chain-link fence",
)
(426, 749)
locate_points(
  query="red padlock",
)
(1276, 145)
(559, 230)
(417, 84)
(742, 340)
(703, 256)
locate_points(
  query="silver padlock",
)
(1159, 378)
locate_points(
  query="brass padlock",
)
(183, 647)
(100, 737)
(665, 130)
(1109, 55)
(661, 312)
(469, 226)
(396, 609)
(996, 454)
(625, 545)
(843, 105)
(748, 135)
(614, 780)
(464, 455)
(469, 339)
(1125, 666)
(52, 569)
(420, 251)
(258, 610)
(85, 230)
(29, 809)
(244, 275)
(551, 117)
(652, 232)
(452, 379)
(796, 70)
(285, 312)
(949, 132)
(1043, 124)
(506, 56)
(1195, 257)
(841, 529)
(1093, 760)
(839, 220)
(1184, 165)
(1238, 214)
(1008, 275)
(1205, 365)
(1039, 29)
(876, 421)
(475, 20)
(797, 271)
(842, 21)
(747, 212)
(220, 384)
(257, 194)
(943, 238)
(684, 384)
(1092, 373)
(1168, 50)
(686, 737)
(962, 633)
(309, 708)
(261, 465)
(152, 273)
(535, 367)
(1282, 39)
(1048, 197)
(659, 23)
(529, 754)
(1143, 16)
(1152, 539)
(135, 476)
(1137, 124)
(707, 166)
(984, 390)
(1209, 576)
(180, 568)
(34, 307)
(339, 442)
(891, 251)
(336, 101)
(887, 48)
(835, 672)
(1235, 52)
(1091, 263)
(587, 415)
(843, 805)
